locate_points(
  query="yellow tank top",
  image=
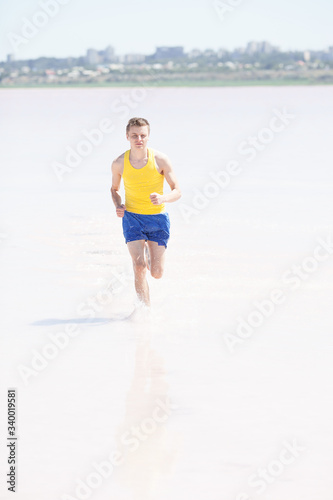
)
(140, 183)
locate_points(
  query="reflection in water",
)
(143, 438)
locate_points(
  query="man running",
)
(144, 217)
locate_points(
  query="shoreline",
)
(174, 83)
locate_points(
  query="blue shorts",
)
(154, 227)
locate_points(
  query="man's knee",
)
(139, 267)
(156, 272)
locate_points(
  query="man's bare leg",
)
(136, 249)
(147, 256)
(157, 258)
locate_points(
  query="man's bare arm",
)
(166, 169)
(116, 169)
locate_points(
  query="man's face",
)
(138, 137)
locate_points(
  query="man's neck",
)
(139, 154)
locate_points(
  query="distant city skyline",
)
(94, 56)
(66, 28)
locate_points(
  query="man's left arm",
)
(167, 170)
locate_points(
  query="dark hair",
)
(137, 122)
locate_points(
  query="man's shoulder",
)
(159, 155)
(162, 160)
(118, 163)
(120, 158)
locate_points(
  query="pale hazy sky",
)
(140, 26)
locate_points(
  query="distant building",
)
(209, 53)
(169, 52)
(307, 56)
(221, 53)
(95, 57)
(267, 48)
(194, 53)
(133, 58)
(10, 58)
(252, 48)
(260, 47)
(325, 55)
(109, 54)
(239, 51)
(330, 53)
(92, 57)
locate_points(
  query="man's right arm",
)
(116, 169)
